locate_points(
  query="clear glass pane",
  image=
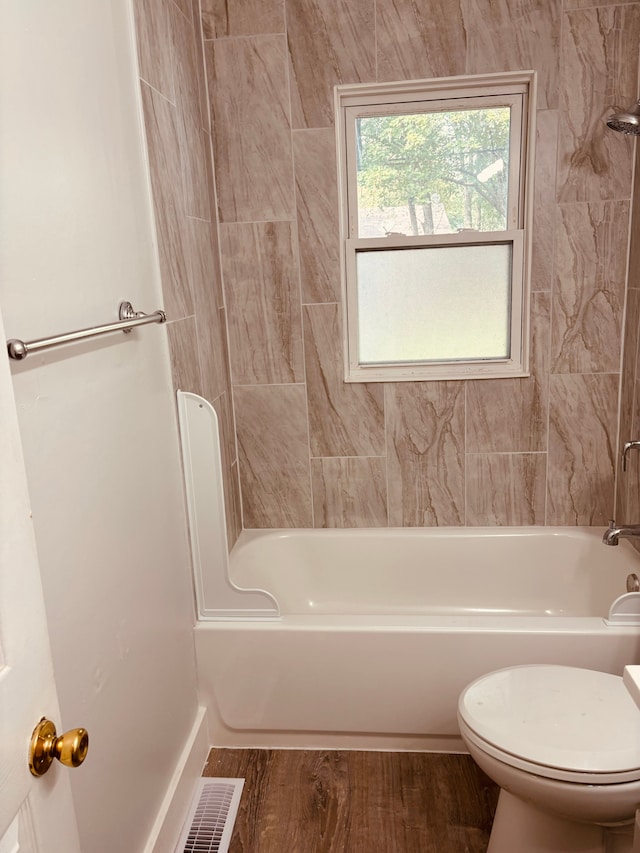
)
(420, 305)
(433, 173)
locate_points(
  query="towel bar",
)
(128, 318)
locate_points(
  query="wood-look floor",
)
(299, 801)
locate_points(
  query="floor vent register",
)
(211, 816)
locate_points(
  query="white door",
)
(36, 814)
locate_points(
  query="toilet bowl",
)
(563, 744)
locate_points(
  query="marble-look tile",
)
(185, 8)
(510, 415)
(349, 492)
(233, 506)
(210, 319)
(506, 489)
(314, 153)
(544, 200)
(345, 419)
(200, 67)
(261, 283)
(242, 17)
(588, 296)
(168, 202)
(330, 42)
(508, 36)
(273, 453)
(231, 484)
(629, 424)
(197, 168)
(634, 237)
(195, 147)
(582, 441)
(416, 40)
(630, 513)
(183, 354)
(586, 4)
(425, 426)
(204, 265)
(213, 352)
(251, 125)
(226, 427)
(599, 50)
(184, 60)
(153, 34)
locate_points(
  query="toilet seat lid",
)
(564, 719)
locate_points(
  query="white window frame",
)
(514, 89)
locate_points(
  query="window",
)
(435, 226)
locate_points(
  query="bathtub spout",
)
(614, 532)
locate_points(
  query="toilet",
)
(563, 744)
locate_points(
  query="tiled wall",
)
(312, 450)
(176, 114)
(628, 483)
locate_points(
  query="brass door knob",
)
(70, 748)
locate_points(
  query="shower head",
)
(628, 122)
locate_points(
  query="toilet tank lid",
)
(573, 719)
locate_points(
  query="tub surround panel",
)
(510, 415)
(588, 296)
(250, 112)
(544, 203)
(330, 42)
(242, 17)
(349, 492)
(344, 419)
(582, 440)
(415, 41)
(506, 488)
(273, 448)
(317, 207)
(599, 50)
(425, 461)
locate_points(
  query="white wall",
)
(97, 418)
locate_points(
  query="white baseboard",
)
(166, 829)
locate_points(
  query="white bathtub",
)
(381, 629)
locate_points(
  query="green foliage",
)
(416, 159)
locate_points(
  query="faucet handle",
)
(628, 445)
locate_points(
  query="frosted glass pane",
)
(434, 304)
